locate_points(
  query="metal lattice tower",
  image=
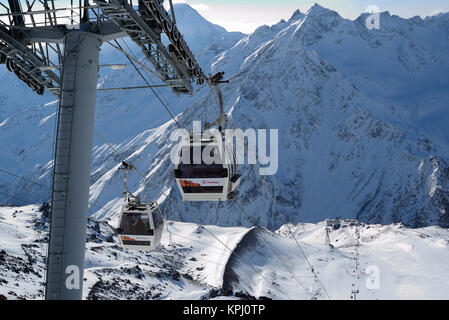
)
(54, 46)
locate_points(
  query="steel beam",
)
(56, 34)
(26, 53)
(126, 17)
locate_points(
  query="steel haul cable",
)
(290, 230)
(240, 258)
(293, 235)
(283, 263)
(148, 84)
(150, 73)
(43, 186)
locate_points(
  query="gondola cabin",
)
(141, 227)
(200, 180)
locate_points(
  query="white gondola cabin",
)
(141, 224)
(200, 180)
(141, 227)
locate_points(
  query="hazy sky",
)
(247, 15)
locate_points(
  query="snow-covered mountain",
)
(361, 117)
(393, 262)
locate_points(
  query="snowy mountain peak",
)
(297, 15)
(317, 10)
(202, 35)
(442, 19)
(186, 14)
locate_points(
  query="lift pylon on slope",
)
(56, 49)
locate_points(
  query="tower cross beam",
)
(26, 53)
(55, 34)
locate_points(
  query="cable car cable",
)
(25, 188)
(43, 186)
(129, 56)
(294, 237)
(25, 179)
(123, 159)
(286, 266)
(109, 145)
(280, 260)
(246, 262)
(150, 73)
(148, 84)
(197, 241)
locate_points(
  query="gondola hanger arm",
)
(214, 83)
(129, 197)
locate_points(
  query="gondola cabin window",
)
(135, 223)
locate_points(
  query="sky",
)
(247, 15)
